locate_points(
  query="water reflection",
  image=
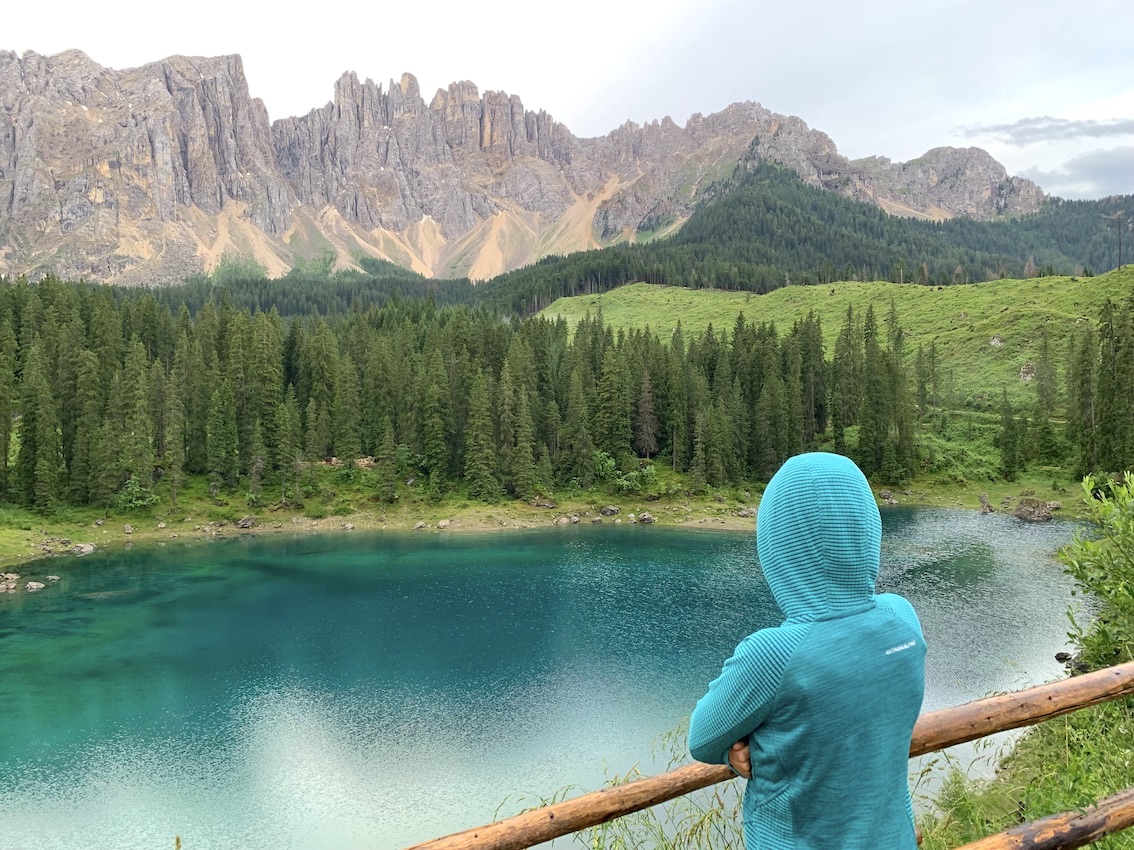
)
(374, 690)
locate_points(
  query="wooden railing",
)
(934, 731)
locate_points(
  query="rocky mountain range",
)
(150, 174)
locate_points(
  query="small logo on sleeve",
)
(901, 647)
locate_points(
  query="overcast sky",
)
(1046, 86)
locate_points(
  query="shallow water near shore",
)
(372, 690)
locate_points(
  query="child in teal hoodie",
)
(825, 702)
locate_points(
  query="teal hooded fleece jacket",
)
(828, 699)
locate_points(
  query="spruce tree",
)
(646, 420)
(289, 443)
(698, 466)
(1043, 442)
(1009, 441)
(223, 454)
(137, 444)
(1082, 413)
(87, 429)
(9, 398)
(480, 454)
(576, 447)
(348, 412)
(612, 433)
(505, 424)
(524, 480)
(174, 457)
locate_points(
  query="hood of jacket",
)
(819, 537)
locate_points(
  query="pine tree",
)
(9, 397)
(1082, 413)
(386, 464)
(771, 427)
(107, 475)
(87, 429)
(1043, 443)
(224, 458)
(576, 449)
(873, 422)
(505, 424)
(612, 432)
(698, 466)
(289, 445)
(257, 464)
(480, 455)
(174, 458)
(1009, 441)
(646, 421)
(348, 412)
(138, 433)
(40, 462)
(524, 480)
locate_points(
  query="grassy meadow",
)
(962, 320)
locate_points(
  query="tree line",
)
(111, 399)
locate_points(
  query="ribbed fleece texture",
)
(828, 699)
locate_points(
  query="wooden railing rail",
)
(1066, 830)
(934, 731)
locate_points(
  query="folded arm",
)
(740, 698)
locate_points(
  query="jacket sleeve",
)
(743, 694)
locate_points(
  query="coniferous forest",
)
(115, 397)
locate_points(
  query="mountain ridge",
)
(150, 174)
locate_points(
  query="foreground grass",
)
(1065, 764)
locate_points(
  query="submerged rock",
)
(34, 585)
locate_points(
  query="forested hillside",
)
(115, 401)
(766, 228)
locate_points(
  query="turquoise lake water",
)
(373, 690)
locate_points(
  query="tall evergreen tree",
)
(9, 397)
(576, 449)
(646, 421)
(88, 431)
(224, 458)
(289, 443)
(480, 455)
(386, 463)
(348, 412)
(173, 459)
(1043, 442)
(612, 433)
(524, 474)
(1082, 414)
(138, 432)
(1009, 441)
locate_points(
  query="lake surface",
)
(372, 690)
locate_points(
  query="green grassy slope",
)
(962, 320)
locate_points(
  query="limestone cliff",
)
(149, 174)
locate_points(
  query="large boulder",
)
(1030, 509)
